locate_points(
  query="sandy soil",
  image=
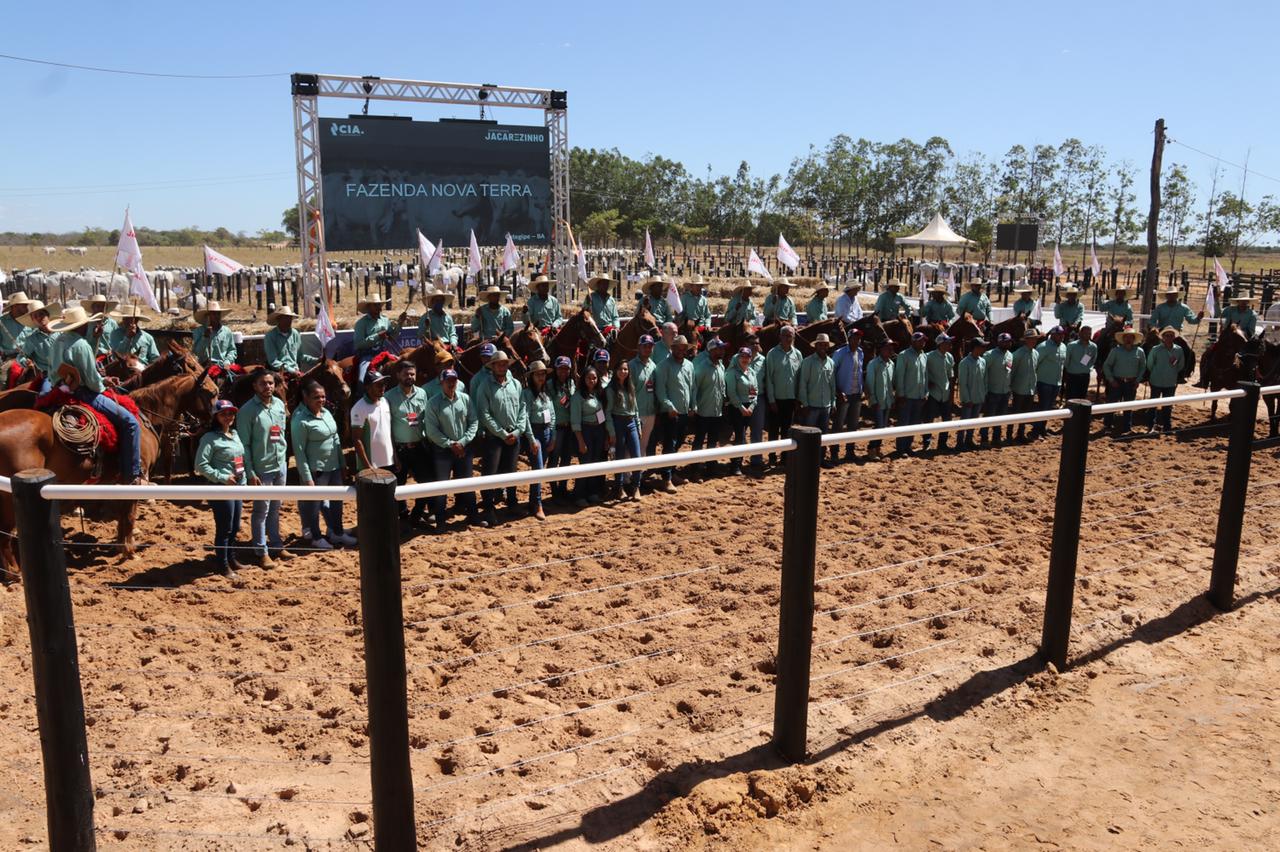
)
(606, 678)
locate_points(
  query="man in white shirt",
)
(371, 426)
(847, 307)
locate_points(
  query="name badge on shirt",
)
(547, 416)
(1173, 359)
(238, 464)
(751, 391)
(648, 384)
(411, 417)
(564, 400)
(1085, 359)
(600, 416)
(274, 435)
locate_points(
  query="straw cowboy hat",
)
(1246, 298)
(202, 315)
(1022, 288)
(594, 279)
(492, 290)
(938, 288)
(852, 285)
(821, 290)
(782, 282)
(100, 302)
(431, 292)
(34, 305)
(1168, 331)
(274, 316)
(135, 313)
(1171, 291)
(1069, 290)
(747, 286)
(655, 285)
(695, 280)
(1128, 334)
(1031, 334)
(73, 318)
(1117, 292)
(822, 338)
(18, 299)
(362, 304)
(535, 367)
(500, 357)
(893, 282)
(540, 279)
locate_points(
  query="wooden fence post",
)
(1065, 549)
(55, 666)
(1235, 488)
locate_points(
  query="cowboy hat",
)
(99, 299)
(1171, 291)
(17, 299)
(938, 288)
(129, 312)
(363, 303)
(500, 357)
(1031, 334)
(821, 290)
(893, 282)
(1069, 290)
(492, 290)
(72, 318)
(1244, 297)
(656, 281)
(1022, 288)
(1168, 330)
(1128, 333)
(591, 282)
(746, 285)
(34, 306)
(822, 338)
(536, 367)
(1117, 291)
(782, 282)
(431, 292)
(542, 278)
(852, 285)
(202, 315)
(695, 280)
(285, 311)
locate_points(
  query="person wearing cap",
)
(600, 361)
(1118, 306)
(757, 421)
(541, 309)
(816, 310)
(282, 345)
(1173, 312)
(220, 459)
(911, 387)
(601, 304)
(503, 420)
(999, 361)
(693, 304)
(12, 331)
(1024, 305)
(1241, 315)
(816, 385)
(848, 310)
(589, 414)
(939, 367)
(846, 365)
(742, 392)
(673, 390)
(261, 426)
(623, 426)
(890, 304)
(540, 411)
(128, 338)
(937, 309)
(778, 305)
(1165, 363)
(492, 318)
(1022, 378)
(709, 394)
(317, 454)
(666, 336)
(1051, 360)
(76, 352)
(561, 386)
(371, 426)
(974, 302)
(1069, 313)
(40, 345)
(655, 297)
(972, 386)
(100, 338)
(212, 343)
(1123, 370)
(741, 309)
(408, 406)
(880, 382)
(437, 322)
(643, 369)
(450, 425)
(781, 371)
(1082, 360)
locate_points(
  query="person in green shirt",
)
(673, 390)
(972, 385)
(880, 383)
(542, 310)
(562, 387)
(623, 425)
(503, 420)
(1117, 307)
(666, 337)
(492, 318)
(939, 368)
(911, 387)
(975, 302)
(816, 310)
(317, 450)
(937, 309)
(1165, 363)
(655, 298)
(450, 426)
(890, 304)
(373, 333)
(39, 345)
(588, 414)
(1173, 312)
(999, 361)
(742, 393)
(643, 369)
(601, 304)
(816, 385)
(1051, 359)
(741, 309)
(1123, 370)
(1082, 360)
(1069, 312)
(1024, 305)
(104, 329)
(1022, 378)
(693, 304)
(128, 338)
(709, 398)
(781, 370)
(282, 345)
(261, 426)
(408, 405)
(1241, 315)
(12, 331)
(540, 410)
(220, 459)
(437, 322)
(778, 306)
(212, 343)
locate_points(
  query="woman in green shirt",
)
(541, 411)
(317, 449)
(623, 425)
(561, 389)
(220, 459)
(587, 418)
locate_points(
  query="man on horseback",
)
(11, 329)
(740, 309)
(816, 310)
(282, 345)
(601, 305)
(1024, 306)
(848, 310)
(1118, 305)
(778, 306)
(437, 322)
(373, 333)
(1069, 312)
(655, 298)
(1238, 315)
(492, 318)
(890, 304)
(100, 339)
(542, 310)
(212, 343)
(937, 309)
(975, 302)
(128, 338)
(1173, 312)
(40, 345)
(693, 304)
(88, 388)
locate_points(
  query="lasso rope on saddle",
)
(78, 429)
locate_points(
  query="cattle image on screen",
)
(385, 178)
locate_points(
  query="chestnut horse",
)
(1226, 370)
(627, 343)
(576, 337)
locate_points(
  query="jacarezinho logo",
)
(508, 136)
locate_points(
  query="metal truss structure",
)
(307, 89)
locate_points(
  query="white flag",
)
(1093, 261)
(756, 265)
(215, 263)
(129, 257)
(649, 259)
(433, 267)
(923, 287)
(673, 298)
(1058, 268)
(1035, 311)
(426, 253)
(324, 326)
(1220, 273)
(951, 283)
(473, 256)
(787, 255)
(582, 263)
(510, 257)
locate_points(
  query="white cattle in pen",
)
(50, 249)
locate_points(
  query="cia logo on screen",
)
(345, 130)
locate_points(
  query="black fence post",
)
(382, 614)
(795, 609)
(55, 666)
(1065, 550)
(1235, 485)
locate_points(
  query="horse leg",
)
(1213, 411)
(124, 527)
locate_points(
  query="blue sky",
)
(704, 83)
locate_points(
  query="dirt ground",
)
(605, 679)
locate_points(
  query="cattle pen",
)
(787, 675)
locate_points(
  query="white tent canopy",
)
(936, 233)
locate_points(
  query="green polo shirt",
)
(880, 382)
(408, 413)
(142, 345)
(284, 351)
(1122, 364)
(642, 375)
(451, 421)
(939, 366)
(317, 445)
(673, 386)
(79, 355)
(437, 326)
(489, 321)
(262, 433)
(1164, 364)
(499, 408)
(999, 369)
(781, 370)
(1022, 379)
(910, 375)
(816, 384)
(1051, 358)
(214, 347)
(544, 313)
(220, 455)
(973, 380)
(976, 305)
(708, 387)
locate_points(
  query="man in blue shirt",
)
(849, 376)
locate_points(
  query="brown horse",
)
(528, 345)
(1268, 353)
(1013, 326)
(431, 358)
(177, 361)
(627, 343)
(178, 407)
(832, 328)
(1226, 370)
(575, 339)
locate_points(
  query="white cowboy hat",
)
(34, 305)
(491, 290)
(744, 286)
(275, 315)
(1127, 333)
(1116, 291)
(938, 288)
(1242, 298)
(500, 356)
(1171, 291)
(72, 319)
(655, 281)
(1022, 288)
(697, 279)
(98, 299)
(852, 285)
(1168, 330)
(893, 282)
(17, 299)
(821, 338)
(594, 279)
(821, 290)
(431, 292)
(130, 312)
(1069, 290)
(782, 282)
(362, 304)
(201, 316)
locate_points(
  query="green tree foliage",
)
(1175, 206)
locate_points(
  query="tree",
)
(600, 227)
(291, 224)
(969, 195)
(1125, 225)
(1176, 200)
(1242, 224)
(981, 232)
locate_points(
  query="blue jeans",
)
(968, 410)
(562, 456)
(1162, 418)
(847, 418)
(413, 459)
(499, 457)
(1077, 385)
(226, 523)
(674, 430)
(446, 464)
(1046, 396)
(1126, 392)
(128, 453)
(264, 521)
(912, 413)
(311, 510)
(815, 416)
(997, 405)
(544, 433)
(1022, 403)
(881, 417)
(593, 436)
(626, 445)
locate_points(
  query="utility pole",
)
(1153, 222)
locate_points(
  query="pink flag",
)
(787, 255)
(1058, 268)
(510, 257)
(219, 263)
(756, 265)
(649, 259)
(473, 256)
(129, 257)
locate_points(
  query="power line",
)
(1226, 162)
(139, 73)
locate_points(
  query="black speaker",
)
(1017, 236)
(1006, 237)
